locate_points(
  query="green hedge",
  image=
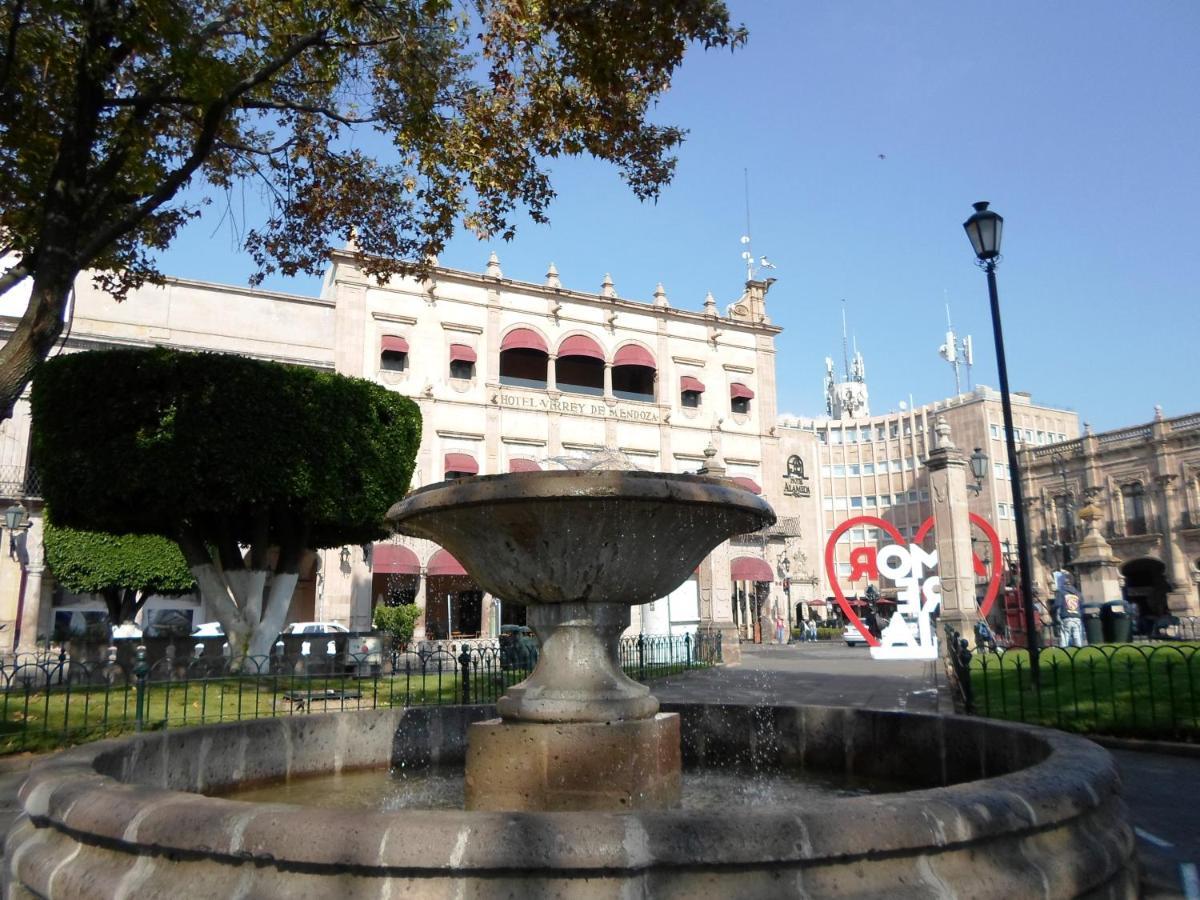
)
(138, 441)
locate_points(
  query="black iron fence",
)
(1147, 689)
(52, 699)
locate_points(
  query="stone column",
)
(420, 600)
(715, 582)
(608, 394)
(487, 605)
(947, 467)
(552, 372)
(32, 601)
(1098, 570)
(1179, 600)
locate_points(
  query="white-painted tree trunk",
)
(250, 604)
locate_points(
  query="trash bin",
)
(1117, 623)
(1093, 628)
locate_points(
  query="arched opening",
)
(580, 366)
(1146, 585)
(752, 577)
(523, 359)
(633, 374)
(453, 601)
(395, 576)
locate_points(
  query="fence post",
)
(641, 648)
(687, 649)
(140, 670)
(464, 663)
(718, 657)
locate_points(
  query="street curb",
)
(1166, 748)
(22, 762)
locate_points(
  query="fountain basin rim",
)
(69, 794)
(567, 486)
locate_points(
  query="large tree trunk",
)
(34, 336)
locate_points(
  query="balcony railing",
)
(17, 482)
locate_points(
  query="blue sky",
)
(1080, 122)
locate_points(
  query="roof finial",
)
(710, 304)
(660, 296)
(552, 277)
(606, 286)
(493, 266)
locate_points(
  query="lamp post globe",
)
(984, 229)
(979, 462)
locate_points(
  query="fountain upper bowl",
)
(597, 536)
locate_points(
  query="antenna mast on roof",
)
(747, 250)
(957, 353)
(845, 348)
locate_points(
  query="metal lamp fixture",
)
(15, 517)
(984, 229)
(979, 464)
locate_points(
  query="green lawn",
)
(44, 719)
(1149, 690)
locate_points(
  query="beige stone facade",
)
(1145, 483)
(507, 374)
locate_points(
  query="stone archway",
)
(1146, 584)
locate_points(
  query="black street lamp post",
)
(984, 229)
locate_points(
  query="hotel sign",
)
(795, 482)
(574, 406)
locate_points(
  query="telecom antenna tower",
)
(958, 353)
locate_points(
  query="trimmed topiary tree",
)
(123, 568)
(222, 453)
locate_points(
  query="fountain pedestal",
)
(578, 733)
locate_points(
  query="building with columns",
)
(1143, 482)
(509, 376)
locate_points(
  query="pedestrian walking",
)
(1068, 603)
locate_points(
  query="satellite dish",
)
(745, 239)
(903, 406)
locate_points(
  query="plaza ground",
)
(1158, 786)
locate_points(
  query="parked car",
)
(208, 630)
(852, 636)
(126, 630)
(364, 652)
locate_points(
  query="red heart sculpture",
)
(989, 598)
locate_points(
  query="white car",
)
(852, 636)
(364, 653)
(316, 628)
(208, 630)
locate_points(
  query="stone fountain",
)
(571, 791)
(578, 549)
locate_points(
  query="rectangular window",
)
(835, 436)
(854, 470)
(995, 432)
(885, 500)
(825, 470)
(856, 502)
(827, 503)
(908, 429)
(839, 471)
(839, 502)
(913, 497)
(900, 498)
(822, 436)
(894, 431)
(856, 534)
(882, 467)
(895, 465)
(868, 468)
(851, 436)
(924, 495)
(461, 368)
(689, 399)
(879, 433)
(1029, 435)
(870, 501)
(843, 570)
(865, 435)
(998, 469)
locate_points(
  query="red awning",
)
(750, 568)
(393, 559)
(393, 342)
(523, 339)
(739, 391)
(688, 383)
(815, 602)
(442, 563)
(633, 355)
(580, 345)
(461, 353)
(748, 484)
(461, 462)
(523, 465)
